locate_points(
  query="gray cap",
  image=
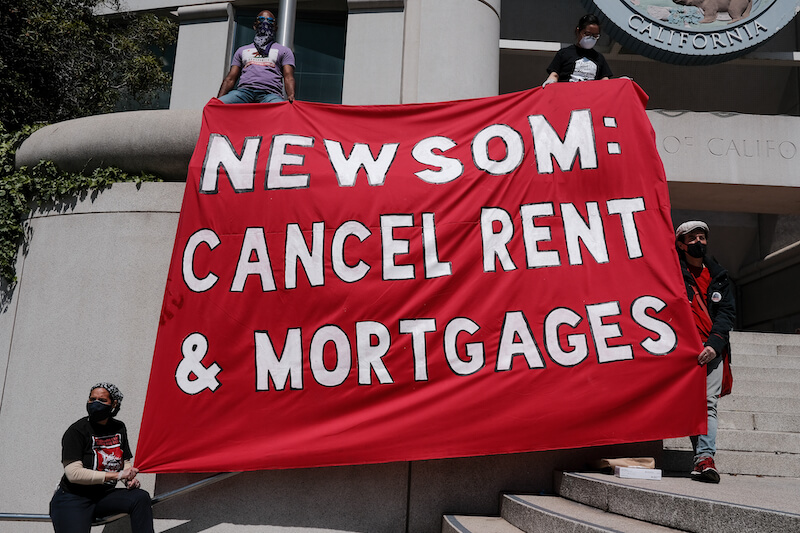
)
(690, 226)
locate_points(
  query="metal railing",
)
(24, 517)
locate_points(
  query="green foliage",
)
(23, 189)
(59, 60)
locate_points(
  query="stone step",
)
(754, 404)
(735, 462)
(759, 421)
(792, 350)
(774, 339)
(755, 387)
(560, 515)
(746, 441)
(476, 524)
(733, 506)
(765, 350)
(762, 361)
(770, 375)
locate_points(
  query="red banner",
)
(357, 285)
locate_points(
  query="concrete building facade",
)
(91, 273)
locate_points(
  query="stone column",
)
(203, 54)
(451, 50)
(373, 63)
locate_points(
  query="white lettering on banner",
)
(579, 234)
(281, 369)
(464, 355)
(194, 283)
(417, 328)
(515, 325)
(580, 348)
(278, 158)
(346, 272)
(194, 348)
(289, 150)
(346, 168)
(393, 247)
(316, 356)
(576, 231)
(220, 155)
(296, 250)
(253, 242)
(473, 356)
(667, 339)
(625, 208)
(515, 149)
(578, 143)
(450, 168)
(369, 354)
(433, 267)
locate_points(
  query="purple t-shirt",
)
(262, 73)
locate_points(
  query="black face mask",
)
(98, 411)
(696, 250)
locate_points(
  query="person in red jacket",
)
(710, 292)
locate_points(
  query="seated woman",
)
(579, 62)
(96, 455)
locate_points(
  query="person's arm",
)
(556, 66)
(724, 318)
(76, 473)
(288, 81)
(552, 78)
(230, 80)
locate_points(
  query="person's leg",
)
(267, 98)
(707, 444)
(71, 513)
(238, 96)
(134, 502)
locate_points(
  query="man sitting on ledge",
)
(262, 68)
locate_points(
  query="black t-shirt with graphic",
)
(574, 63)
(99, 447)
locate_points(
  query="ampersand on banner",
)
(194, 348)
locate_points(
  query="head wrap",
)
(265, 36)
(113, 391)
(690, 226)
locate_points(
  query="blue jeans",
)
(706, 445)
(244, 95)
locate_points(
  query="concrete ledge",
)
(156, 141)
(771, 375)
(476, 524)
(753, 404)
(560, 515)
(734, 506)
(748, 337)
(788, 362)
(756, 387)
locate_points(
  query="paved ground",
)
(774, 493)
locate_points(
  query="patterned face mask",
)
(265, 35)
